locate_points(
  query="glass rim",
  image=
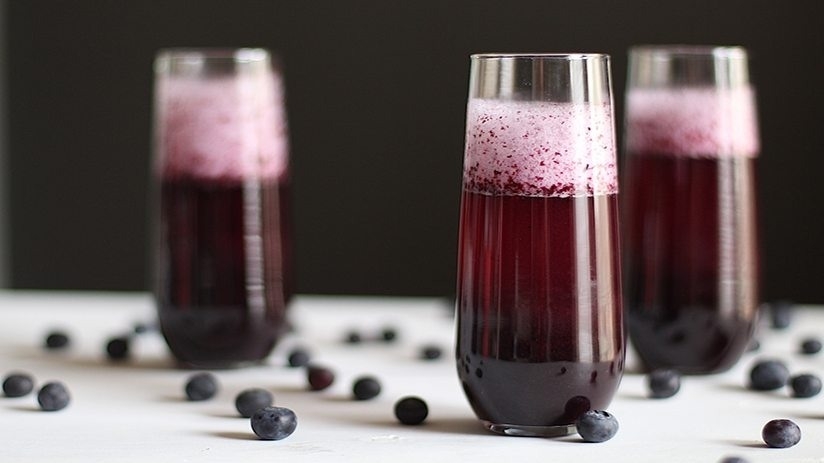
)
(670, 51)
(541, 55)
(240, 54)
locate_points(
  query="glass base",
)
(530, 431)
(216, 364)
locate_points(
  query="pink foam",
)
(221, 128)
(692, 122)
(539, 149)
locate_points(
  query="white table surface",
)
(136, 410)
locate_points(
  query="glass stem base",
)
(530, 431)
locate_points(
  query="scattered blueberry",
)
(768, 375)
(141, 327)
(805, 385)
(810, 346)
(117, 348)
(201, 386)
(596, 426)
(366, 388)
(251, 400)
(389, 334)
(18, 385)
(781, 314)
(781, 433)
(431, 352)
(734, 460)
(53, 396)
(411, 410)
(274, 423)
(299, 357)
(319, 377)
(353, 337)
(57, 340)
(754, 345)
(663, 383)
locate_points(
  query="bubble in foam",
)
(539, 148)
(692, 122)
(221, 128)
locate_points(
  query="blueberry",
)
(274, 423)
(57, 340)
(781, 314)
(411, 410)
(53, 396)
(768, 375)
(596, 426)
(142, 327)
(201, 386)
(805, 385)
(366, 388)
(810, 346)
(781, 434)
(319, 377)
(299, 357)
(431, 352)
(389, 334)
(251, 400)
(753, 346)
(118, 348)
(353, 337)
(663, 383)
(734, 460)
(18, 385)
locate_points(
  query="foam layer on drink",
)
(221, 128)
(692, 122)
(538, 148)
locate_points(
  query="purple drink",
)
(691, 246)
(223, 256)
(540, 336)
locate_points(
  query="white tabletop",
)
(136, 410)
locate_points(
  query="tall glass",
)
(691, 239)
(222, 257)
(539, 317)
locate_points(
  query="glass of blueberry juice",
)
(540, 338)
(222, 250)
(691, 255)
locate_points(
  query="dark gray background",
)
(376, 92)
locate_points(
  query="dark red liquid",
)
(540, 335)
(223, 274)
(691, 260)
